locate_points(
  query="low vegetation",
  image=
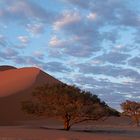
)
(132, 110)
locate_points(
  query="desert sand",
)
(77, 133)
(49, 129)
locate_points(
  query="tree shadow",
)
(52, 128)
(89, 130)
(101, 131)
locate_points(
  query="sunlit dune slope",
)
(16, 80)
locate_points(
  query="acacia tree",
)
(132, 110)
(67, 103)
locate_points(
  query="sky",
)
(94, 44)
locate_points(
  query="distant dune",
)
(16, 86)
(5, 67)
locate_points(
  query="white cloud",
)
(36, 29)
(67, 18)
(128, 81)
(55, 42)
(24, 10)
(24, 39)
(119, 46)
(92, 16)
(96, 62)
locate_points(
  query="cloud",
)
(109, 70)
(92, 16)
(36, 28)
(81, 50)
(56, 67)
(8, 53)
(24, 11)
(110, 11)
(129, 18)
(24, 39)
(52, 66)
(3, 41)
(80, 3)
(134, 62)
(114, 57)
(113, 93)
(89, 27)
(39, 55)
(6, 43)
(77, 46)
(81, 39)
(56, 42)
(136, 37)
(67, 19)
(27, 60)
(111, 35)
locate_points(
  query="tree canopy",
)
(68, 103)
(132, 110)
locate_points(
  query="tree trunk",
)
(67, 125)
(67, 119)
(135, 120)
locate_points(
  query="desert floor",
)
(79, 132)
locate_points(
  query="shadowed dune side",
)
(44, 78)
(16, 86)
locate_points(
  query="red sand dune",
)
(16, 85)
